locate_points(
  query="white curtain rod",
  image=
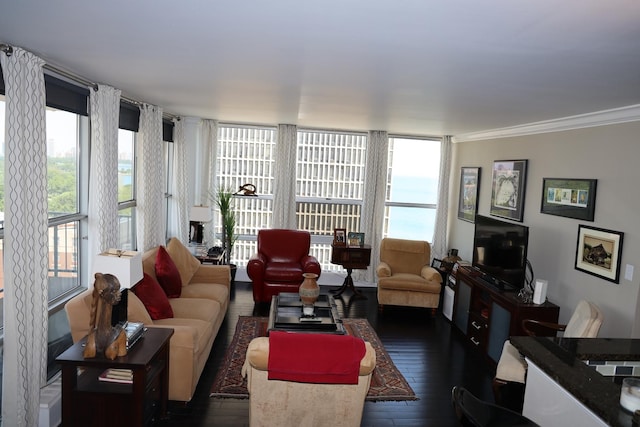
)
(8, 50)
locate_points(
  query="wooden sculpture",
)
(102, 336)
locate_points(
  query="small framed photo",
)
(509, 183)
(355, 239)
(339, 237)
(468, 198)
(571, 198)
(599, 252)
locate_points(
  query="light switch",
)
(628, 272)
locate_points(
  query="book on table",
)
(114, 375)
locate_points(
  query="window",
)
(246, 156)
(329, 186)
(412, 188)
(126, 190)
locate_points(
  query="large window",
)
(126, 190)
(246, 156)
(412, 188)
(329, 186)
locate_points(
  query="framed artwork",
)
(355, 239)
(508, 187)
(468, 198)
(599, 252)
(339, 237)
(572, 198)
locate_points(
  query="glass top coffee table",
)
(286, 315)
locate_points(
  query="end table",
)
(350, 257)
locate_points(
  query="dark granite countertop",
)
(563, 360)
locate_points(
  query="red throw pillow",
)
(153, 297)
(168, 274)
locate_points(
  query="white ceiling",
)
(406, 66)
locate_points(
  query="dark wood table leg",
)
(348, 284)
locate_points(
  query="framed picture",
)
(468, 199)
(355, 239)
(599, 252)
(572, 198)
(339, 237)
(508, 185)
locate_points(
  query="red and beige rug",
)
(387, 383)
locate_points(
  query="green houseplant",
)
(223, 198)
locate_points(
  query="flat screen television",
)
(500, 251)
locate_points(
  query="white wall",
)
(610, 154)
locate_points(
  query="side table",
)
(88, 401)
(215, 260)
(350, 257)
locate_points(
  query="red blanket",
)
(315, 358)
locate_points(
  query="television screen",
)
(500, 250)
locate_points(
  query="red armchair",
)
(282, 258)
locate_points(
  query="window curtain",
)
(284, 194)
(25, 239)
(179, 200)
(439, 244)
(103, 181)
(151, 228)
(210, 147)
(375, 182)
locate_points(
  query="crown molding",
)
(630, 113)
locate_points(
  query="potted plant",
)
(223, 198)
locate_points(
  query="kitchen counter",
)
(564, 361)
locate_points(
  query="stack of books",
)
(134, 331)
(113, 375)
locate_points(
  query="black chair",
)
(474, 412)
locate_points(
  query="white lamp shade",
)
(200, 214)
(125, 265)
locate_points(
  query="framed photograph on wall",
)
(509, 182)
(339, 237)
(599, 252)
(468, 198)
(571, 198)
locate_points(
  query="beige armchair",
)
(512, 369)
(405, 276)
(288, 403)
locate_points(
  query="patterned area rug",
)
(387, 383)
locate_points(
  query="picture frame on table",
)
(355, 238)
(339, 237)
(509, 181)
(468, 198)
(569, 197)
(599, 252)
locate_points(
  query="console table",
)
(488, 316)
(88, 401)
(350, 257)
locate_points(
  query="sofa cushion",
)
(168, 274)
(153, 297)
(186, 263)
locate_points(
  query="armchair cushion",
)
(153, 297)
(168, 274)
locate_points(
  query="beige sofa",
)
(289, 403)
(198, 314)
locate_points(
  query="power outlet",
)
(628, 272)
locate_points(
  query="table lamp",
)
(199, 215)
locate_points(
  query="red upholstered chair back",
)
(281, 245)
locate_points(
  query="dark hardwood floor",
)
(431, 354)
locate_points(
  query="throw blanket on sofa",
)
(315, 358)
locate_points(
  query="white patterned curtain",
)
(375, 184)
(439, 244)
(210, 147)
(151, 228)
(284, 194)
(25, 239)
(179, 201)
(103, 179)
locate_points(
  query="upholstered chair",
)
(405, 276)
(511, 371)
(279, 263)
(284, 403)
